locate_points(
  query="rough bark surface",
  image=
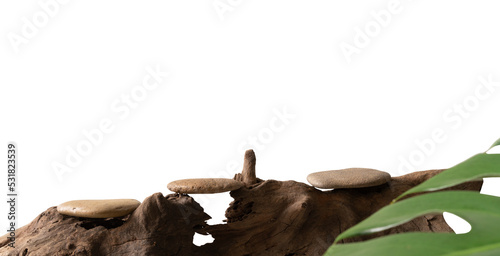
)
(159, 226)
(266, 218)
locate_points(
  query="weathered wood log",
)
(159, 226)
(266, 218)
(292, 218)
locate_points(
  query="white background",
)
(230, 70)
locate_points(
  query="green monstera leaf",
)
(497, 143)
(475, 168)
(481, 211)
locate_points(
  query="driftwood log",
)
(266, 218)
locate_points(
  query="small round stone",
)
(204, 186)
(348, 178)
(109, 208)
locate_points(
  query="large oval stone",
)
(348, 178)
(204, 186)
(108, 208)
